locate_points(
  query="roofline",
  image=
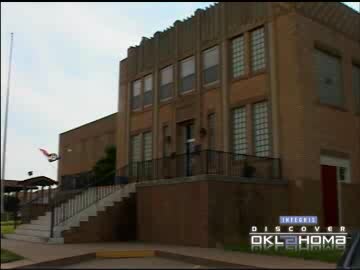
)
(89, 123)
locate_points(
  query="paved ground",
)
(37, 252)
(135, 263)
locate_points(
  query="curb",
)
(135, 254)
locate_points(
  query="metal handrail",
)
(62, 211)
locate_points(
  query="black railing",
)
(74, 201)
(201, 163)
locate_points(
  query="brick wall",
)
(204, 213)
(116, 223)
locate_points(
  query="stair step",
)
(40, 222)
(56, 240)
(33, 232)
(27, 238)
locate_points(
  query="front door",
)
(329, 191)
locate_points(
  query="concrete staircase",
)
(38, 230)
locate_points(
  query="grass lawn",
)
(8, 256)
(325, 255)
(8, 226)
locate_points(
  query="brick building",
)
(81, 147)
(277, 80)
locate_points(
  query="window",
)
(166, 142)
(166, 83)
(356, 87)
(239, 131)
(258, 49)
(187, 73)
(238, 57)
(261, 129)
(135, 148)
(148, 146)
(148, 93)
(136, 95)
(211, 131)
(329, 78)
(211, 65)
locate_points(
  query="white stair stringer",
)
(92, 210)
(38, 230)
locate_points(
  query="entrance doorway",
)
(186, 147)
(334, 172)
(330, 195)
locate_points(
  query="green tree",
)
(104, 168)
(11, 203)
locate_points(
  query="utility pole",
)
(5, 124)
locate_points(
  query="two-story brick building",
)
(275, 81)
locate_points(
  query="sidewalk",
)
(38, 252)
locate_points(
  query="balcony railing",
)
(201, 163)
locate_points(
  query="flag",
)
(44, 152)
(51, 157)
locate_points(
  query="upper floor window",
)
(258, 61)
(148, 87)
(136, 95)
(211, 65)
(166, 82)
(187, 74)
(329, 78)
(238, 56)
(356, 86)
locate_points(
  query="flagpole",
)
(5, 124)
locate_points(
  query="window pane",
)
(187, 67)
(356, 87)
(167, 75)
(328, 74)
(238, 56)
(258, 49)
(165, 91)
(136, 88)
(261, 129)
(148, 96)
(239, 131)
(211, 65)
(148, 146)
(187, 83)
(135, 148)
(148, 83)
(135, 95)
(187, 73)
(211, 57)
(166, 82)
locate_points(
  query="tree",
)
(104, 168)
(11, 203)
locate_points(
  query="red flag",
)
(44, 152)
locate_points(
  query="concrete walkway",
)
(39, 252)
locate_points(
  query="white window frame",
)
(338, 162)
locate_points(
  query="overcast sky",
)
(65, 69)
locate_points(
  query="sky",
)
(66, 67)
